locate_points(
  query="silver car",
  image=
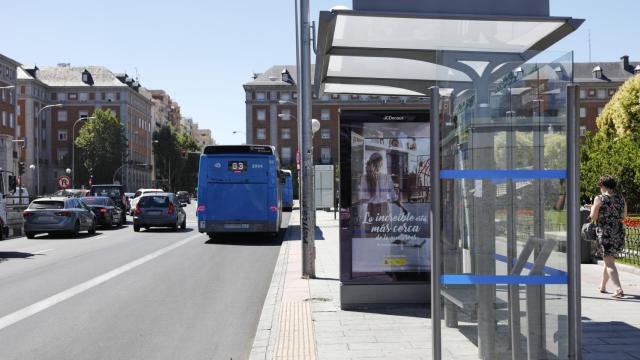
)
(159, 210)
(55, 215)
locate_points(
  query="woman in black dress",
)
(608, 212)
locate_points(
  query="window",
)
(325, 134)
(285, 133)
(73, 96)
(285, 155)
(325, 97)
(18, 110)
(583, 131)
(12, 122)
(62, 116)
(261, 134)
(602, 93)
(261, 114)
(111, 96)
(83, 114)
(4, 118)
(84, 96)
(600, 108)
(286, 96)
(583, 94)
(325, 155)
(295, 95)
(344, 97)
(61, 153)
(591, 92)
(583, 112)
(62, 135)
(2, 92)
(260, 96)
(62, 96)
(325, 114)
(286, 114)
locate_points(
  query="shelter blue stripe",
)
(503, 174)
(529, 266)
(502, 279)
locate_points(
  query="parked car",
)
(55, 215)
(140, 192)
(159, 210)
(116, 193)
(106, 211)
(71, 193)
(19, 197)
(183, 197)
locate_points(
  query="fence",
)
(631, 252)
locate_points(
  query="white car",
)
(137, 196)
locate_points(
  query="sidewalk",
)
(302, 319)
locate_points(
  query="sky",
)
(202, 51)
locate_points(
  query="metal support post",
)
(307, 213)
(573, 223)
(436, 253)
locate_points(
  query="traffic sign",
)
(63, 182)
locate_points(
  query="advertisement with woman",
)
(388, 231)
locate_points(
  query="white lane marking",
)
(33, 309)
(41, 251)
(99, 237)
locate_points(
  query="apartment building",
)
(598, 82)
(8, 113)
(270, 100)
(82, 90)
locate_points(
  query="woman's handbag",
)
(589, 231)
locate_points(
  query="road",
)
(124, 295)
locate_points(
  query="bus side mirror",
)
(13, 183)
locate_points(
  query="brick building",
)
(81, 90)
(598, 82)
(271, 113)
(8, 113)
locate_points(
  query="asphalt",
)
(124, 295)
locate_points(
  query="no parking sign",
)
(63, 182)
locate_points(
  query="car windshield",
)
(46, 205)
(106, 191)
(153, 201)
(95, 201)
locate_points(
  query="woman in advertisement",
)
(377, 192)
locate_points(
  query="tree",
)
(176, 169)
(102, 145)
(615, 148)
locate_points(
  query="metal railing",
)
(631, 252)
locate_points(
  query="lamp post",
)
(39, 133)
(113, 180)
(73, 149)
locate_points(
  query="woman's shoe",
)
(619, 294)
(602, 290)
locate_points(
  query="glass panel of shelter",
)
(503, 235)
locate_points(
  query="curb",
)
(264, 341)
(624, 268)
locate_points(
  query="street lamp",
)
(237, 132)
(38, 143)
(7, 87)
(120, 168)
(68, 171)
(73, 149)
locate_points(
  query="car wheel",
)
(76, 230)
(92, 229)
(136, 228)
(30, 235)
(123, 218)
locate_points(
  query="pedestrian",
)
(608, 212)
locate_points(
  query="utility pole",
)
(307, 211)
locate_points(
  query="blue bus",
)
(287, 191)
(239, 190)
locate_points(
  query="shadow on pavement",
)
(166, 230)
(82, 235)
(410, 310)
(318, 235)
(6, 255)
(244, 239)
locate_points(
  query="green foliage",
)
(175, 171)
(101, 147)
(615, 148)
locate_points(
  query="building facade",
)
(80, 91)
(271, 112)
(598, 82)
(8, 114)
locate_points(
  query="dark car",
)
(159, 210)
(183, 197)
(116, 193)
(58, 215)
(106, 211)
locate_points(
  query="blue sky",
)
(202, 51)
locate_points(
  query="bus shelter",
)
(504, 259)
